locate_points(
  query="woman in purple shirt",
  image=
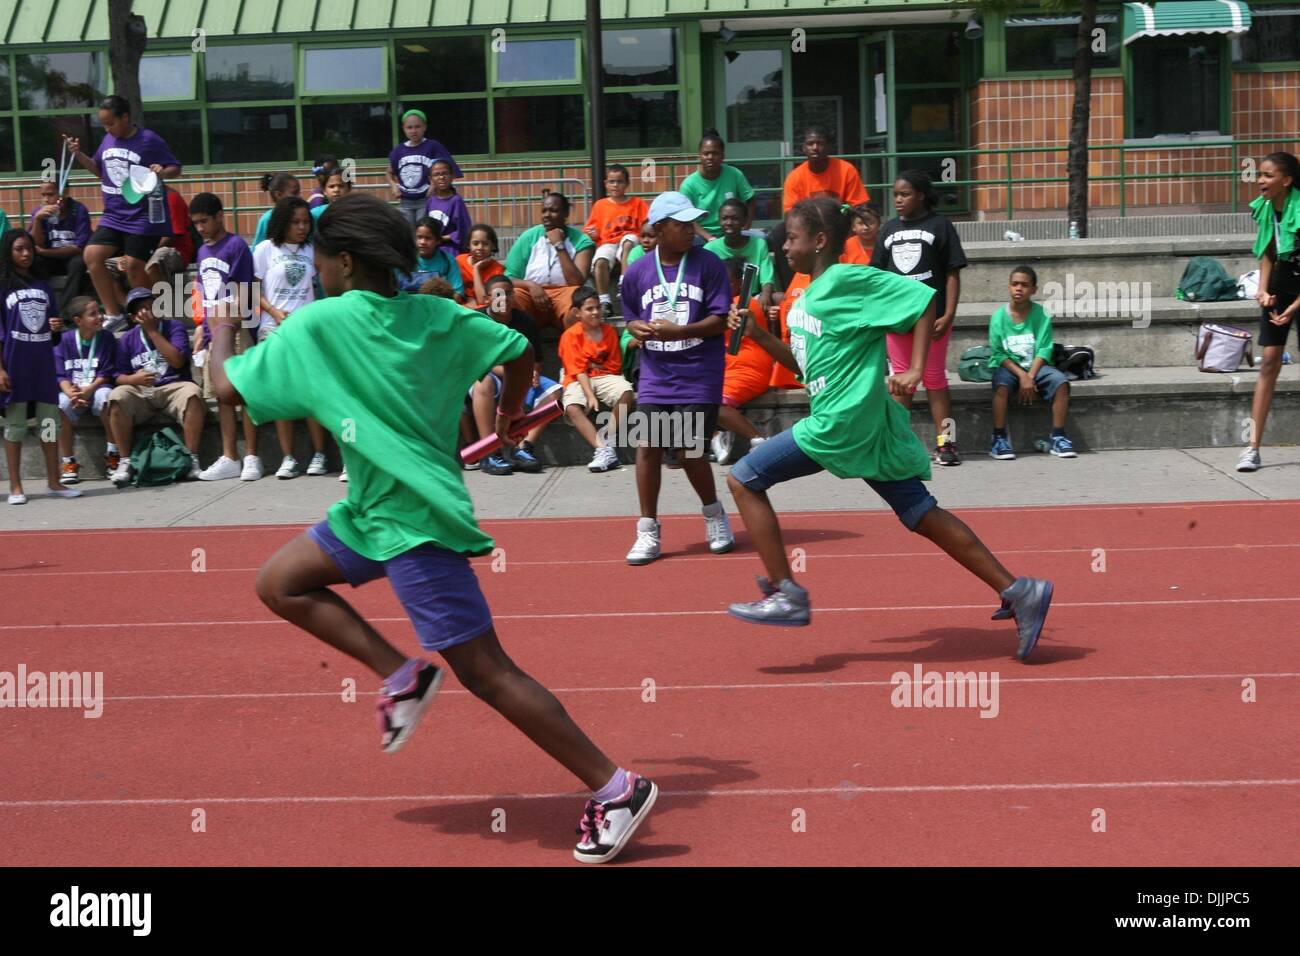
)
(123, 228)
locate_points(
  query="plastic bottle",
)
(1043, 445)
(1012, 236)
(157, 206)
(1074, 229)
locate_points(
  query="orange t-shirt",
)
(467, 272)
(611, 221)
(752, 357)
(782, 377)
(578, 353)
(840, 180)
(854, 254)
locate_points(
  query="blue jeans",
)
(780, 459)
(1047, 381)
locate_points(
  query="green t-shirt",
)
(710, 194)
(837, 333)
(387, 377)
(4, 222)
(1020, 343)
(636, 253)
(260, 233)
(754, 250)
(522, 251)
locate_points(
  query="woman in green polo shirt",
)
(853, 429)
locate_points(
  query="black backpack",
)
(1074, 360)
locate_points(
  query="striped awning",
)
(1179, 17)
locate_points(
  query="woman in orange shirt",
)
(479, 264)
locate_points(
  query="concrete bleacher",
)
(1148, 393)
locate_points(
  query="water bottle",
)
(1074, 229)
(157, 206)
(1012, 236)
(1043, 445)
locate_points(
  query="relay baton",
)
(748, 273)
(486, 446)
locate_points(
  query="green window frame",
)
(497, 83)
(995, 47)
(1262, 13)
(676, 88)
(188, 95)
(1225, 99)
(384, 46)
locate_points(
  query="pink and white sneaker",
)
(399, 713)
(605, 828)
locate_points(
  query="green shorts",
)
(17, 414)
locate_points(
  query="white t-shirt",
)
(286, 273)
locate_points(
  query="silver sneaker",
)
(1249, 460)
(786, 606)
(646, 548)
(717, 529)
(723, 443)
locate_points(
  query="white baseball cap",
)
(673, 205)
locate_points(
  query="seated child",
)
(480, 263)
(1020, 335)
(747, 376)
(434, 259)
(613, 226)
(85, 363)
(858, 248)
(734, 244)
(645, 242)
(593, 362)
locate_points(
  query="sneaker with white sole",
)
(1062, 447)
(252, 469)
(717, 529)
(221, 469)
(604, 459)
(18, 499)
(606, 828)
(723, 443)
(122, 475)
(1001, 449)
(288, 468)
(317, 464)
(343, 475)
(786, 605)
(1249, 460)
(399, 713)
(63, 492)
(646, 548)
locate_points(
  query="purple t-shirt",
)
(135, 352)
(229, 261)
(115, 157)
(28, 343)
(683, 371)
(453, 215)
(81, 362)
(74, 230)
(411, 165)
(317, 198)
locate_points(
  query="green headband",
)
(419, 113)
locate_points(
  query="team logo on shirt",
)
(906, 255)
(117, 169)
(294, 272)
(410, 175)
(32, 312)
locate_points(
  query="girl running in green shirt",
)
(854, 429)
(386, 372)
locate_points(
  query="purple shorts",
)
(437, 588)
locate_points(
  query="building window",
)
(1176, 85)
(167, 76)
(347, 129)
(8, 156)
(1040, 43)
(1274, 36)
(441, 65)
(344, 69)
(59, 80)
(459, 124)
(258, 71)
(42, 136)
(528, 124)
(639, 57)
(252, 134)
(4, 83)
(527, 62)
(183, 131)
(642, 120)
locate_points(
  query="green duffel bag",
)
(974, 364)
(160, 459)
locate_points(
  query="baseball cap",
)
(672, 205)
(136, 296)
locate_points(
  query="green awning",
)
(1179, 17)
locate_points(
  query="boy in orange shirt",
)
(593, 365)
(613, 225)
(748, 374)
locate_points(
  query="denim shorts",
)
(1047, 381)
(544, 387)
(437, 588)
(780, 459)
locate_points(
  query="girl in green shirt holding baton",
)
(854, 429)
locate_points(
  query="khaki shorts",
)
(244, 340)
(167, 400)
(167, 259)
(608, 388)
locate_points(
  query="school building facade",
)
(239, 88)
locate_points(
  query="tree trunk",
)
(127, 38)
(1077, 162)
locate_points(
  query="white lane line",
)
(769, 685)
(843, 790)
(59, 572)
(588, 615)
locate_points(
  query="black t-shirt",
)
(523, 323)
(924, 249)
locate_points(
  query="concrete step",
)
(1158, 333)
(1124, 408)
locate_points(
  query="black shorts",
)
(686, 427)
(137, 247)
(1270, 335)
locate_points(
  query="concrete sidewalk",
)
(1115, 477)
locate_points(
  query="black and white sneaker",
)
(605, 828)
(398, 714)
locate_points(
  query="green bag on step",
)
(160, 459)
(974, 364)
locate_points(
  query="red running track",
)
(1133, 705)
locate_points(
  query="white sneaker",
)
(344, 475)
(196, 468)
(611, 458)
(646, 548)
(18, 499)
(1249, 460)
(717, 528)
(317, 464)
(121, 476)
(220, 470)
(722, 444)
(604, 459)
(63, 493)
(755, 442)
(288, 468)
(252, 468)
